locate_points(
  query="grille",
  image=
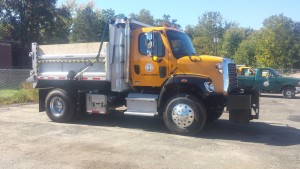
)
(232, 77)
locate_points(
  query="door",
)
(147, 70)
(266, 80)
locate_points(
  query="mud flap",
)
(42, 96)
(240, 107)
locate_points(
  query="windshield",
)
(180, 43)
(275, 72)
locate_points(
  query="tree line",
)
(276, 44)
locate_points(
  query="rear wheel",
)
(184, 115)
(60, 107)
(288, 92)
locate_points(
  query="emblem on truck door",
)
(266, 83)
(149, 67)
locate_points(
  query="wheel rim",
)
(57, 106)
(289, 93)
(183, 115)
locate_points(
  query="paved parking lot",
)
(28, 139)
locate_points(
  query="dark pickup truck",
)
(268, 80)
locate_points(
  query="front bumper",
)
(297, 90)
(243, 107)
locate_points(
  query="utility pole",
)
(216, 40)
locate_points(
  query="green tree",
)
(6, 31)
(276, 47)
(33, 20)
(143, 16)
(231, 40)
(89, 23)
(59, 32)
(86, 25)
(230, 25)
(296, 48)
(190, 30)
(246, 52)
(107, 14)
(208, 33)
(167, 21)
(146, 17)
(28, 21)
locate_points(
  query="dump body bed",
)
(57, 61)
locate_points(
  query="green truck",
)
(268, 80)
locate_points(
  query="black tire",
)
(289, 92)
(189, 123)
(60, 106)
(213, 115)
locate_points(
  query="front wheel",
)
(289, 92)
(60, 107)
(184, 115)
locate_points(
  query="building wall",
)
(5, 55)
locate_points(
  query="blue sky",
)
(248, 13)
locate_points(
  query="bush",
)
(30, 93)
(25, 94)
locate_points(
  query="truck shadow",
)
(132, 122)
(255, 132)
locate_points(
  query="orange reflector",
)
(183, 80)
(95, 112)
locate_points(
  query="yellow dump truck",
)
(144, 71)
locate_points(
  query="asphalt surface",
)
(28, 139)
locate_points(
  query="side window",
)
(143, 44)
(247, 72)
(158, 46)
(271, 73)
(243, 72)
(265, 73)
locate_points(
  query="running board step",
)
(150, 114)
(141, 104)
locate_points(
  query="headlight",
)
(219, 68)
(209, 86)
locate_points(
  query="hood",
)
(203, 65)
(290, 80)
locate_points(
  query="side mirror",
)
(149, 39)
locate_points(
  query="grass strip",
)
(23, 95)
